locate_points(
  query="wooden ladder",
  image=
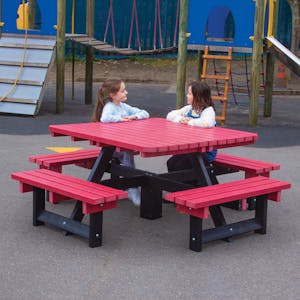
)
(222, 96)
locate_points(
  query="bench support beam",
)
(95, 234)
(195, 234)
(64, 223)
(261, 207)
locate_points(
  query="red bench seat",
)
(251, 167)
(197, 202)
(54, 161)
(94, 198)
(230, 163)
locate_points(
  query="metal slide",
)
(36, 54)
(284, 55)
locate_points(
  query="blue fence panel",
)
(118, 24)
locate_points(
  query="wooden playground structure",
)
(194, 33)
(261, 16)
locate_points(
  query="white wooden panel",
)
(30, 41)
(18, 108)
(31, 56)
(28, 73)
(21, 91)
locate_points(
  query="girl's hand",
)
(129, 118)
(125, 119)
(185, 120)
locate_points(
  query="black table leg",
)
(209, 179)
(100, 166)
(201, 169)
(151, 202)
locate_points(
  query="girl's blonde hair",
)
(110, 86)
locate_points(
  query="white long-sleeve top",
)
(207, 118)
(114, 113)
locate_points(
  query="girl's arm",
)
(178, 115)
(207, 118)
(136, 112)
(109, 114)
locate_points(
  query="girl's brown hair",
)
(201, 95)
(110, 86)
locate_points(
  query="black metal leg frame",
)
(257, 224)
(152, 184)
(73, 225)
(92, 232)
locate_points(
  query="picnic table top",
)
(154, 136)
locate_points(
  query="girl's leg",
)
(179, 162)
(127, 159)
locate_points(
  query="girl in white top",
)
(111, 107)
(200, 112)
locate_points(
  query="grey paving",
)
(142, 259)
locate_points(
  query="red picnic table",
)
(154, 136)
(149, 138)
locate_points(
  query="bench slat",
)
(65, 160)
(226, 192)
(245, 164)
(71, 183)
(68, 186)
(49, 160)
(215, 189)
(235, 195)
(84, 184)
(62, 189)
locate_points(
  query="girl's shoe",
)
(134, 195)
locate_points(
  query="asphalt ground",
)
(142, 259)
